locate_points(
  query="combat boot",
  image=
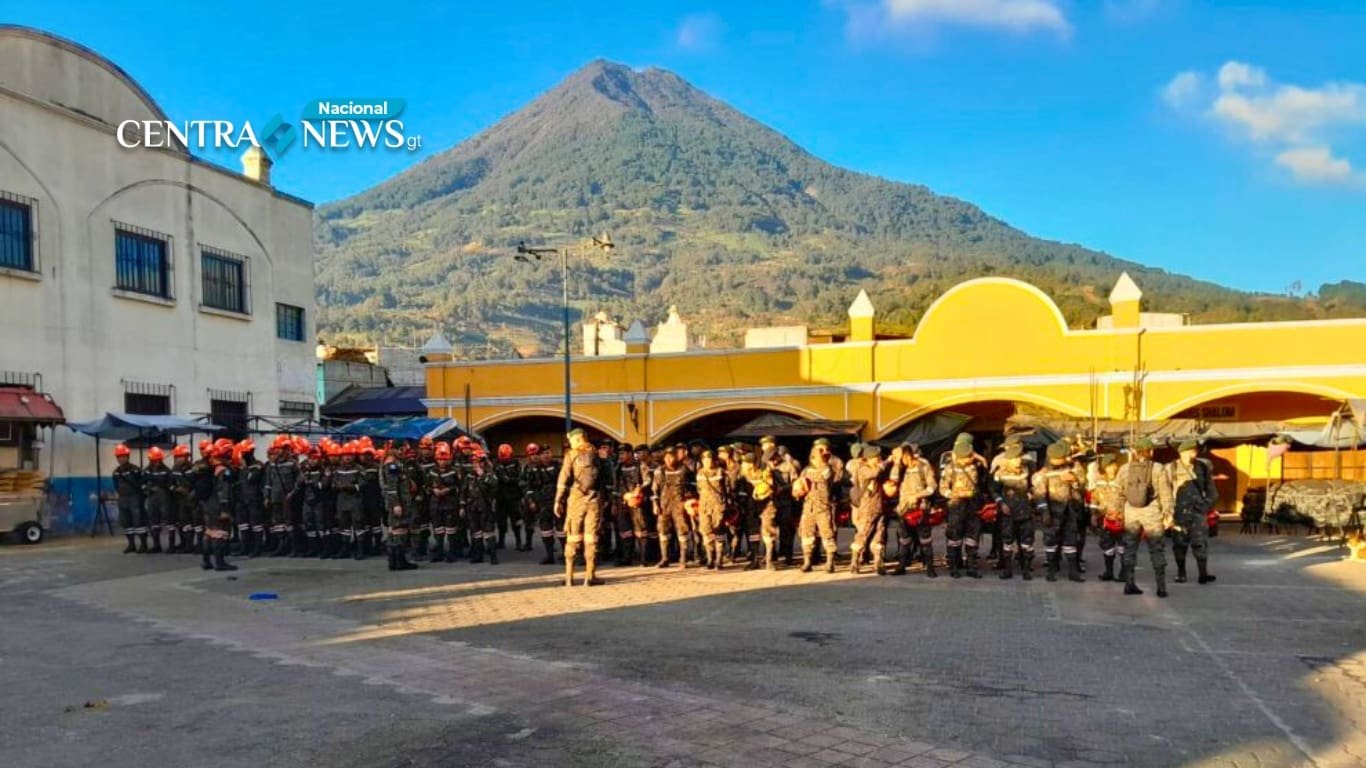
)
(806, 561)
(1051, 566)
(1180, 554)
(401, 559)
(1074, 569)
(219, 553)
(358, 546)
(421, 544)
(927, 555)
(493, 555)
(973, 573)
(436, 554)
(752, 564)
(477, 551)
(455, 549)
(1161, 583)
(955, 556)
(132, 544)
(1130, 588)
(142, 543)
(1109, 574)
(1027, 566)
(517, 537)
(1202, 565)
(855, 561)
(549, 543)
(830, 560)
(155, 537)
(393, 558)
(879, 566)
(1007, 567)
(205, 549)
(903, 560)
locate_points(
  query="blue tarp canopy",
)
(128, 426)
(373, 402)
(406, 428)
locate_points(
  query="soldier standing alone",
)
(578, 500)
(1194, 494)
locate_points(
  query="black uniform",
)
(128, 484)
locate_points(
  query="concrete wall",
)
(59, 104)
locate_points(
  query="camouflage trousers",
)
(1142, 523)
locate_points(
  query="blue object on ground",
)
(264, 596)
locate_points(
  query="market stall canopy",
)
(128, 426)
(408, 428)
(371, 402)
(930, 431)
(1115, 433)
(23, 404)
(780, 425)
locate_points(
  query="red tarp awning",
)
(20, 404)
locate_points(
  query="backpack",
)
(1138, 491)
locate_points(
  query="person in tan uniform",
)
(1147, 514)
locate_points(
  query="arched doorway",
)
(543, 430)
(985, 420)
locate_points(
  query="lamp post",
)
(604, 242)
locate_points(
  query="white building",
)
(139, 280)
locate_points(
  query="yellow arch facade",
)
(986, 339)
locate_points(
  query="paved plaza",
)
(110, 660)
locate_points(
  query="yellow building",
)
(984, 348)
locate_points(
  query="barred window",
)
(16, 233)
(147, 398)
(224, 280)
(141, 262)
(296, 409)
(289, 322)
(230, 409)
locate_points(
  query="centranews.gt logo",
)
(331, 124)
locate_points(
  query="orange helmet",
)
(349, 449)
(532, 449)
(443, 451)
(181, 452)
(380, 454)
(463, 442)
(330, 448)
(426, 442)
(155, 454)
(205, 447)
(222, 443)
(301, 444)
(246, 446)
(505, 451)
(478, 452)
(121, 450)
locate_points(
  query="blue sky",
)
(1222, 140)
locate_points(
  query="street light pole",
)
(605, 243)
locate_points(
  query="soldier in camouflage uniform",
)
(1147, 514)
(1010, 472)
(916, 488)
(761, 524)
(397, 489)
(713, 491)
(865, 494)
(1194, 494)
(629, 501)
(816, 488)
(128, 486)
(1059, 496)
(419, 466)
(578, 501)
(1107, 511)
(158, 480)
(670, 483)
(962, 483)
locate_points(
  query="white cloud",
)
(1016, 16)
(1316, 165)
(699, 32)
(1294, 124)
(1183, 89)
(1236, 74)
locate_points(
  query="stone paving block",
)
(822, 740)
(922, 761)
(832, 757)
(948, 755)
(856, 747)
(805, 761)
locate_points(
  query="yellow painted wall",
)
(986, 339)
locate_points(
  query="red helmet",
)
(463, 442)
(505, 451)
(155, 454)
(121, 450)
(426, 442)
(181, 452)
(532, 449)
(443, 452)
(222, 443)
